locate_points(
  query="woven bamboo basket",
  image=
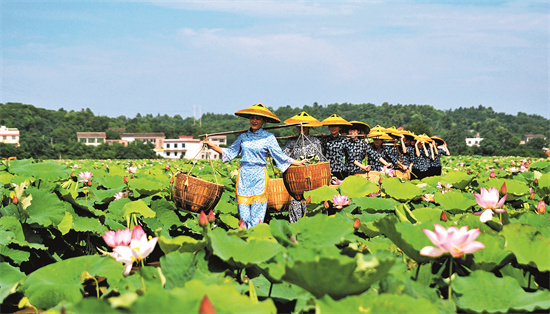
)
(278, 198)
(372, 176)
(299, 179)
(403, 174)
(195, 194)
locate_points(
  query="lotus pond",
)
(397, 246)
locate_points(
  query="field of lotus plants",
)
(102, 236)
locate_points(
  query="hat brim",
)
(267, 117)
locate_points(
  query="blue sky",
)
(168, 57)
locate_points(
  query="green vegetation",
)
(52, 134)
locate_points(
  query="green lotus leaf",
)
(458, 179)
(366, 224)
(406, 236)
(224, 298)
(321, 230)
(138, 207)
(110, 181)
(17, 256)
(261, 232)
(515, 188)
(541, 165)
(46, 208)
(357, 186)
(375, 204)
(284, 292)
(180, 243)
(544, 181)
(493, 255)
(92, 305)
(5, 178)
(384, 303)
(404, 191)
(324, 270)
(51, 284)
(455, 200)
(427, 214)
(46, 171)
(10, 279)
(147, 186)
(165, 214)
(482, 291)
(178, 268)
(230, 220)
(226, 207)
(321, 194)
(528, 244)
(239, 253)
(541, 222)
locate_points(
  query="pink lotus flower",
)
(492, 175)
(488, 200)
(120, 195)
(340, 201)
(336, 182)
(454, 241)
(428, 197)
(117, 238)
(388, 171)
(138, 250)
(132, 169)
(541, 207)
(85, 176)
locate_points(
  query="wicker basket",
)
(278, 198)
(299, 179)
(195, 194)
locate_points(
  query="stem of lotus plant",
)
(529, 281)
(96, 286)
(417, 271)
(270, 288)
(450, 276)
(141, 275)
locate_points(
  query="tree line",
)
(51, 134)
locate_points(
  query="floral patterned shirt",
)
(334, 151)
(355, 150)
(436, 162)
(304, 146)
(373, 157)
(421, 163)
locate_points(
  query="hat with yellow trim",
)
(378, 128)
(335, 120)
(408, 135)
(258, 110)
(358, 125)
(304, 117)
(393, 132)
(378, 135)
(438, 140)
(424, 138)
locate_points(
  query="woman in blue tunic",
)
(253, 146)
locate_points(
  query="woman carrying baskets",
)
(334, 145)
(356, 149)
(305, 146)
(253, 146)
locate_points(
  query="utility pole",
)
(194, 117)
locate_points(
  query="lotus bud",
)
(167, 167)
(260, 221)
(125, 180)
(356, 224)
(14, 200)
(492, 175)
(326, 204)
(308, 200)
(149, 171)
(443, 216)
(503, 189)
(172, 180)
(203, 220)
(206, 306)
(541, 207)
(380, 180)
(211, 217)
(536, 181)
(89, 182)
(242, 225)
(532, 197)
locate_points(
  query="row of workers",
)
(255, 144)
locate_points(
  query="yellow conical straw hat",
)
(438, 140)
(424, 138)
(378, 135)
(304, 117)
(378, 128)
(258, 110)
(361, 126)
(335, 120)
(393, 132)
